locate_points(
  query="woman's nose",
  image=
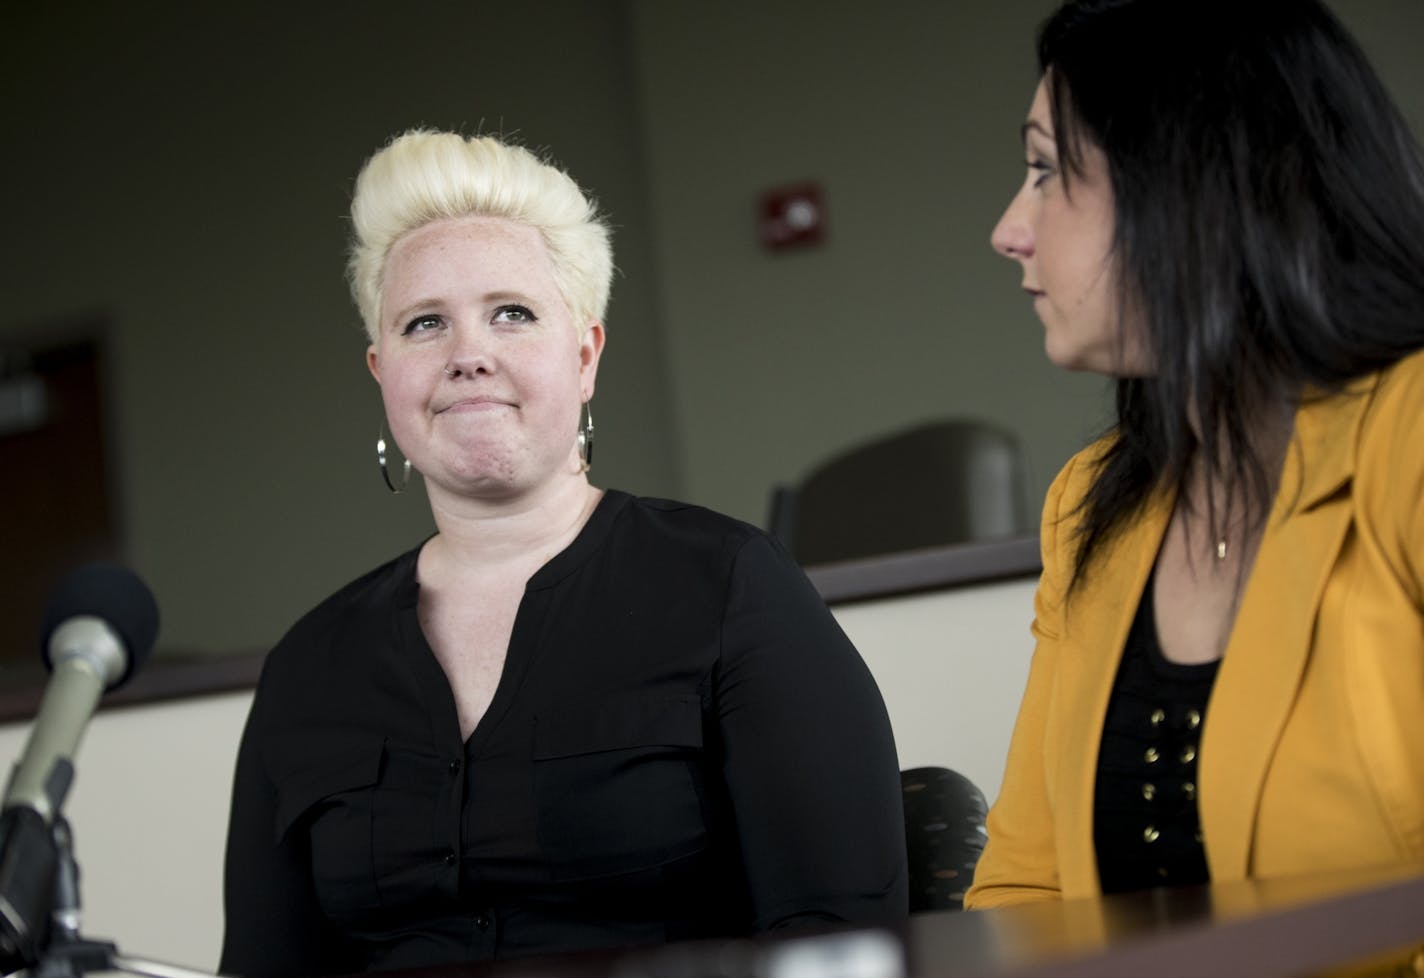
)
(1012, 236)
(470, 354)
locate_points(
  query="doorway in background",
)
(57, 505)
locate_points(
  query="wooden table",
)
(1274, 929)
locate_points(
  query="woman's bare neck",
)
(480, 537)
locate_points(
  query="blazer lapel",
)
(1270, 641)
(1099, 617)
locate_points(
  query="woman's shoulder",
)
(687, 524)
(1388, 449)
(1070, 486)
(1401, 386)
(1387, 470)
(712, 546)
(351, 610)
(1380, 414)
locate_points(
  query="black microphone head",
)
(114, 594)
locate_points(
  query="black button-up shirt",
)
(682, 743)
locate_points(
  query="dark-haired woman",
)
(1224, 212)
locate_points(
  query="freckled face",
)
(1064, 242)
(481, 366)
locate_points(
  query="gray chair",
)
(944, 836)
(937, 483)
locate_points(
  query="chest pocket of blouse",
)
(619, 785)
(326, 795)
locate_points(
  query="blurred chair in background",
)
(944, 836)
(937, 483)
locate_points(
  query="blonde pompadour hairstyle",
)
(424, 175)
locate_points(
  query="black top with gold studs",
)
(1147, 830)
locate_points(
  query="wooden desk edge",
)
(1379, 915)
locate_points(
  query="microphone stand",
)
(67, 954)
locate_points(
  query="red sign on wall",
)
(793, 217)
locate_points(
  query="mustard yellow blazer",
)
(1312, 751)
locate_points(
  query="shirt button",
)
(449, 857)
(482, 921)
(455, 767)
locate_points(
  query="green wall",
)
(181, 172)
(908, 114)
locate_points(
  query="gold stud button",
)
(1151, 755)
(1150, 834)
(1157, 717)
(1149, 790)
(1189, 754)
(1193, 719)
(1190, 790)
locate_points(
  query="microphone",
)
(99, 625)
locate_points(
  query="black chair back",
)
(944, 835)
(938, 483)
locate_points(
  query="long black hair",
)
(1269, 226)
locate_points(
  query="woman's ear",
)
(590, 349)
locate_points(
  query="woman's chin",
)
(1078, 360)
(488, 479)
(1066, 358)
(494, 484)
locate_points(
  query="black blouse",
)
(1146, 824)
(682, 743)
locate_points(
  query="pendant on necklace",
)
(1221, 549)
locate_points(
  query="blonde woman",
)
(572, 718)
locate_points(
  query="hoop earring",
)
(381, 461)
(585, 439)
